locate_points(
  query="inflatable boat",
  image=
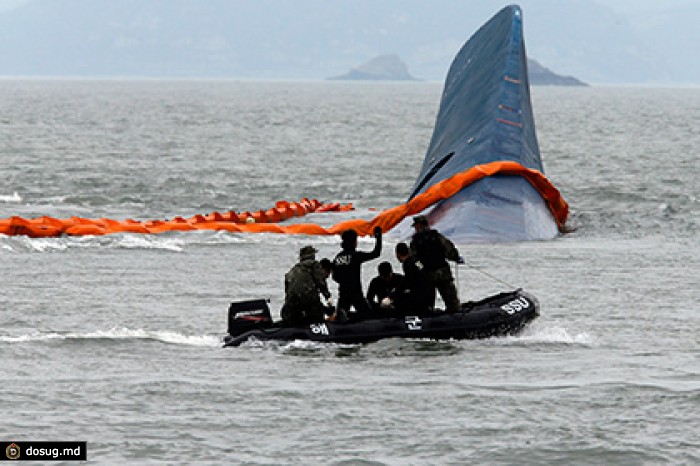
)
(498, 315)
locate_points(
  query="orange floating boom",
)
(267, 221)
(44, 227)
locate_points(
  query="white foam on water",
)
(295, 345)
(116, 241)
(120, 333)
(138, 241)
(550, 334)
(31, 337)
(10, 198)
(42, 244)
(171, 241)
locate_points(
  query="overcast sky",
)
(598, 41)
(649, 5)
(618, 5)
(4, 4)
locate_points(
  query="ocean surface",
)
(116, 340)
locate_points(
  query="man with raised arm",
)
(347, 269)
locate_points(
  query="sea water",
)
(116, 340)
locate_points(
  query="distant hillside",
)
(541, 76)
(381, 68)
(392, 68)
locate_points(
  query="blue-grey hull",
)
(485, 118)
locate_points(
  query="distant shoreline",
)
(8, 78)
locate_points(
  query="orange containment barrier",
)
(260, 221)
(266, 221)
(389, 218)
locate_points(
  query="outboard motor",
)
(248, 315)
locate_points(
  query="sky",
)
(5, 4)
(625, 41)
(644, 5)
(617, 5)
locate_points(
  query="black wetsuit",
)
(417, 295)
(380, 288)
(347, 268)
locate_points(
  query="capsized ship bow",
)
(485, 119)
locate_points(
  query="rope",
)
(457, 280)
(487, 274)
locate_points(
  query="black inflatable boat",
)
(498, 315)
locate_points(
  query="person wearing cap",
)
(432, 250)
(302, 285)
(382, 290)
(347, 269)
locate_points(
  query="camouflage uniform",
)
(302, 285)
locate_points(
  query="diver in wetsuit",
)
(347, 268)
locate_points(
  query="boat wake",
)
(118, 333)
(546, 335)
(299, 346)
(392, 347)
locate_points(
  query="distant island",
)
(392, 68)
(381, 68)
(541, 76)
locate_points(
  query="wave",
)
(130, 241)
(546, 335)
(296, 345)
(14, 198)
(119, 333)
(117, 241)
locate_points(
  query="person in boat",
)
(303, 285)
(383, 289)
(347, 269)
(433, 250)
(417, 293)
(327, 266)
